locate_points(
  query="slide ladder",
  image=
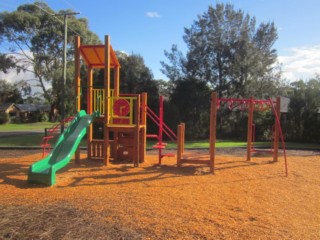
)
(50, 133)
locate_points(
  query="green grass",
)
(26, 140)
(229, 144)
(10, 127)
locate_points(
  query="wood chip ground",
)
(243, 200)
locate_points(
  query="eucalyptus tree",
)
(34, 38)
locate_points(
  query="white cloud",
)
(153, 14)
(301, 63)
(13, 76)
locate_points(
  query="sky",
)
(149, 27)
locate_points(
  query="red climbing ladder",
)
(51, 133)
(163, 128)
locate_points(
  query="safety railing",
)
(98, 96)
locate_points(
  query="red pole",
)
(281, 136)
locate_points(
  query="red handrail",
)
(166, 129)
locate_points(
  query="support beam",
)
(249, 130)
(179, 145)
(116, 81)
(77, 84)
(106, 147)
(137, 133)
(213, 127)
(143, 134)
(183, 132)
(276, 131)
(77, 81)
(89, 109)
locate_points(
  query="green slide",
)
(44, 171)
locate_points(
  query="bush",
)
(4, 117)
(15, 119)
(44, 117)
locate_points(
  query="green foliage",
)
(4, 117)
(35, 38)
(136, 77)
(6, 62)
(10, 93)
(302, 120)
(192, 101)
(228, 51)
(44, 117)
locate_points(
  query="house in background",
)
(25, 112)
(7, 108)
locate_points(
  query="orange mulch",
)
(243, 200)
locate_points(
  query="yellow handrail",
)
(98, 95)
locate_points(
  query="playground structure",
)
(121, 115)
(241, 104)
(123, 118)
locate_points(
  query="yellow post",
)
(213, 127)
(249, 130)
(106, 153)
(276, 129)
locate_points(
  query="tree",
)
(35, 37)
(227, 51)
(6, 63)
(136, 77)
(303, 116)
(177, 70)
(192, 101)
(13, 93)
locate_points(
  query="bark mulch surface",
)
(243, 200)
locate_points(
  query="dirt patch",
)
(243, 200)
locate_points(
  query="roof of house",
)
(26, 107)
(5, 106)
(33, 107)
(43, 107)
